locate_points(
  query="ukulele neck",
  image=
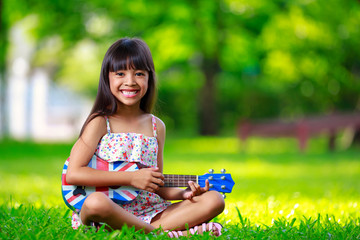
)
(179, 180)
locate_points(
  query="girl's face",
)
(129, 86)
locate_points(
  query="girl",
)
(121, 127)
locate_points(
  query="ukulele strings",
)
(178, 180)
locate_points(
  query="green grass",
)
(279, 193)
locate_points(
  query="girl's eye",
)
(120, 74)
(140, 74)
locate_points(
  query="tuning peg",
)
(223, 195)
(222, 177)
(211, 171)
(223, 187)
(223, 170)
(211, 185)
(211, 178)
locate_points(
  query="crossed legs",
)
(193, 212)
(99, 208)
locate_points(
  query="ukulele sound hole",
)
(79, 190)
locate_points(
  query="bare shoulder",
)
(98, 122)
(96, 127)
(160, 124)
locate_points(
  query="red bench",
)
(302, 128)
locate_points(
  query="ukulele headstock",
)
(221, 182)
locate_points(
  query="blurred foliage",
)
(264, 58)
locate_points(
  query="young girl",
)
(121, 127)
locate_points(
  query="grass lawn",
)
(278, 193)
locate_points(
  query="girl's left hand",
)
(194, 189)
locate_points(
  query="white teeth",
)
(129, 92)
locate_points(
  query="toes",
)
(213, 228)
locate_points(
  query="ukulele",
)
(74, 196)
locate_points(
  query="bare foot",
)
(213, 228)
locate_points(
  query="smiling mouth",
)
(131, 93)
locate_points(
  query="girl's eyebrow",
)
(121, 70)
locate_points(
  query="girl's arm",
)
(174, 193)
(80, 174)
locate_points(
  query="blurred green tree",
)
(217, 61)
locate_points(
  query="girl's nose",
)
(130, 80)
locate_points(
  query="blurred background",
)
(226, 70)
(217, 62)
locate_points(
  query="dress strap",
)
(107, 124)
(154, 125)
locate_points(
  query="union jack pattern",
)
(74, 196)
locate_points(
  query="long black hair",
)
(125, 53)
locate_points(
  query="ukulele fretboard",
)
(179, 180)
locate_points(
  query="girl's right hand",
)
(148, 179)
